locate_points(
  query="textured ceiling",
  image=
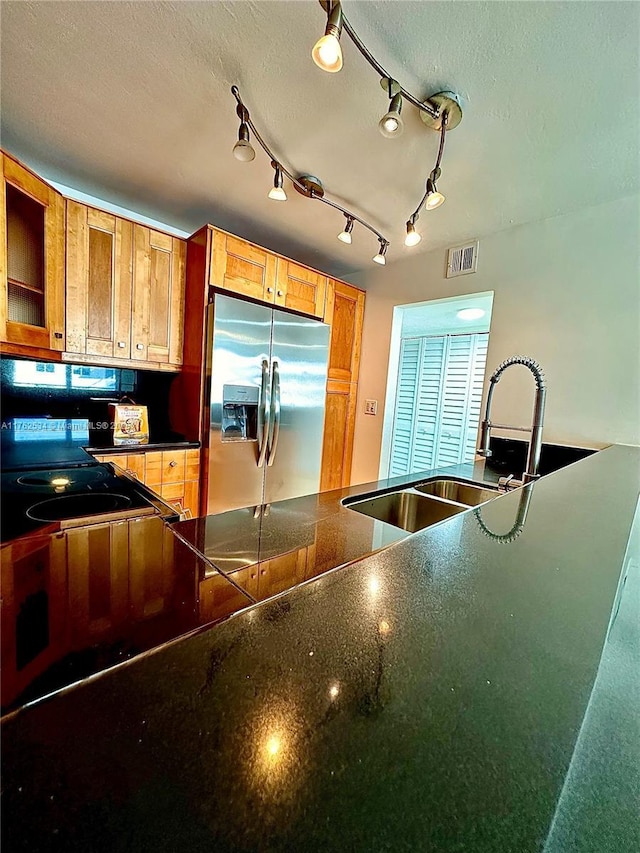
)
(131, 102)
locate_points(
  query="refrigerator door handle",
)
(264, 417)
(274, 431)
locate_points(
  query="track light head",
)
(382, 251)
(413, 237)
(327, 53)
(243, 149)
(391, 124)
(434, 198)
(345, 234)
(277, 192)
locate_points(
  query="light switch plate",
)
(371, 407)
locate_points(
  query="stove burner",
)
(64, 478)
(77, 506)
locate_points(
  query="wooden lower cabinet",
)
(33, 624)
(172, 474)
(218, 598)
(98, 586)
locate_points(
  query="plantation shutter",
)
(438, 399)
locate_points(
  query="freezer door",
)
(299, 355)
(239, 378)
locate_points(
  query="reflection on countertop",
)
(271, 548)
(429, 696)
(77, 602)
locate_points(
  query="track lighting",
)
(277, 192)
(434, 198)
(440, 112)
(382, 251)
(345, 234)
(413, 237)
(327, 53)
(307, 185)
(243, 149)
(391, 123)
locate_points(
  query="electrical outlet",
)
(371, 407)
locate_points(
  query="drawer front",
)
(192, 465)
(173, 462)
(153, 468)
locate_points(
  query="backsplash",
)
(31, 388)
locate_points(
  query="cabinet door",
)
(31, 260)
(34, 610)
(151, 567)
(339, 424)
(99, 581)
(242, 268)
(345, 314)
(281, 573)
(157, 320)
(300, 289)
(136, 465)
(99, 279)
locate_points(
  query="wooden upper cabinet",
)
(31, 260)
(300, 288)
(99, 276)
(241, 267)
(345, 314)
(157, 321)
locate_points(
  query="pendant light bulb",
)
(391, 124)
(327, 52)
(277, 192)
(380, 257)
(345, 234)
(413, 237)
(243, 149)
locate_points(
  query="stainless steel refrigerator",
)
(267, 372)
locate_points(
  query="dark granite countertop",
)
(169, 444)
(447, 693)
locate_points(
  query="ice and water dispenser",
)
(239, 412)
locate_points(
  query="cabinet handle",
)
(121, 344)
(139, 346)
(280, 293)
(173, 463)
(269, 290)
(57, 335)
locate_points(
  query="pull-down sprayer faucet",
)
(535, 442)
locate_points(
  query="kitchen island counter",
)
(445, 693)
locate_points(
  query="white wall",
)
(567, 293)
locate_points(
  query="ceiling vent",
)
(462, 260)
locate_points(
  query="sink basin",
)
(452, 490)
(407, 509)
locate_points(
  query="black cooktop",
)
(48, 478)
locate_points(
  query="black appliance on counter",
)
(49, 479)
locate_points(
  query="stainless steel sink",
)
(453, 490)
(416, 507)
(407, 509)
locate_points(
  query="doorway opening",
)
(434, 385)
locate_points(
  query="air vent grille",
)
(462, 260)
